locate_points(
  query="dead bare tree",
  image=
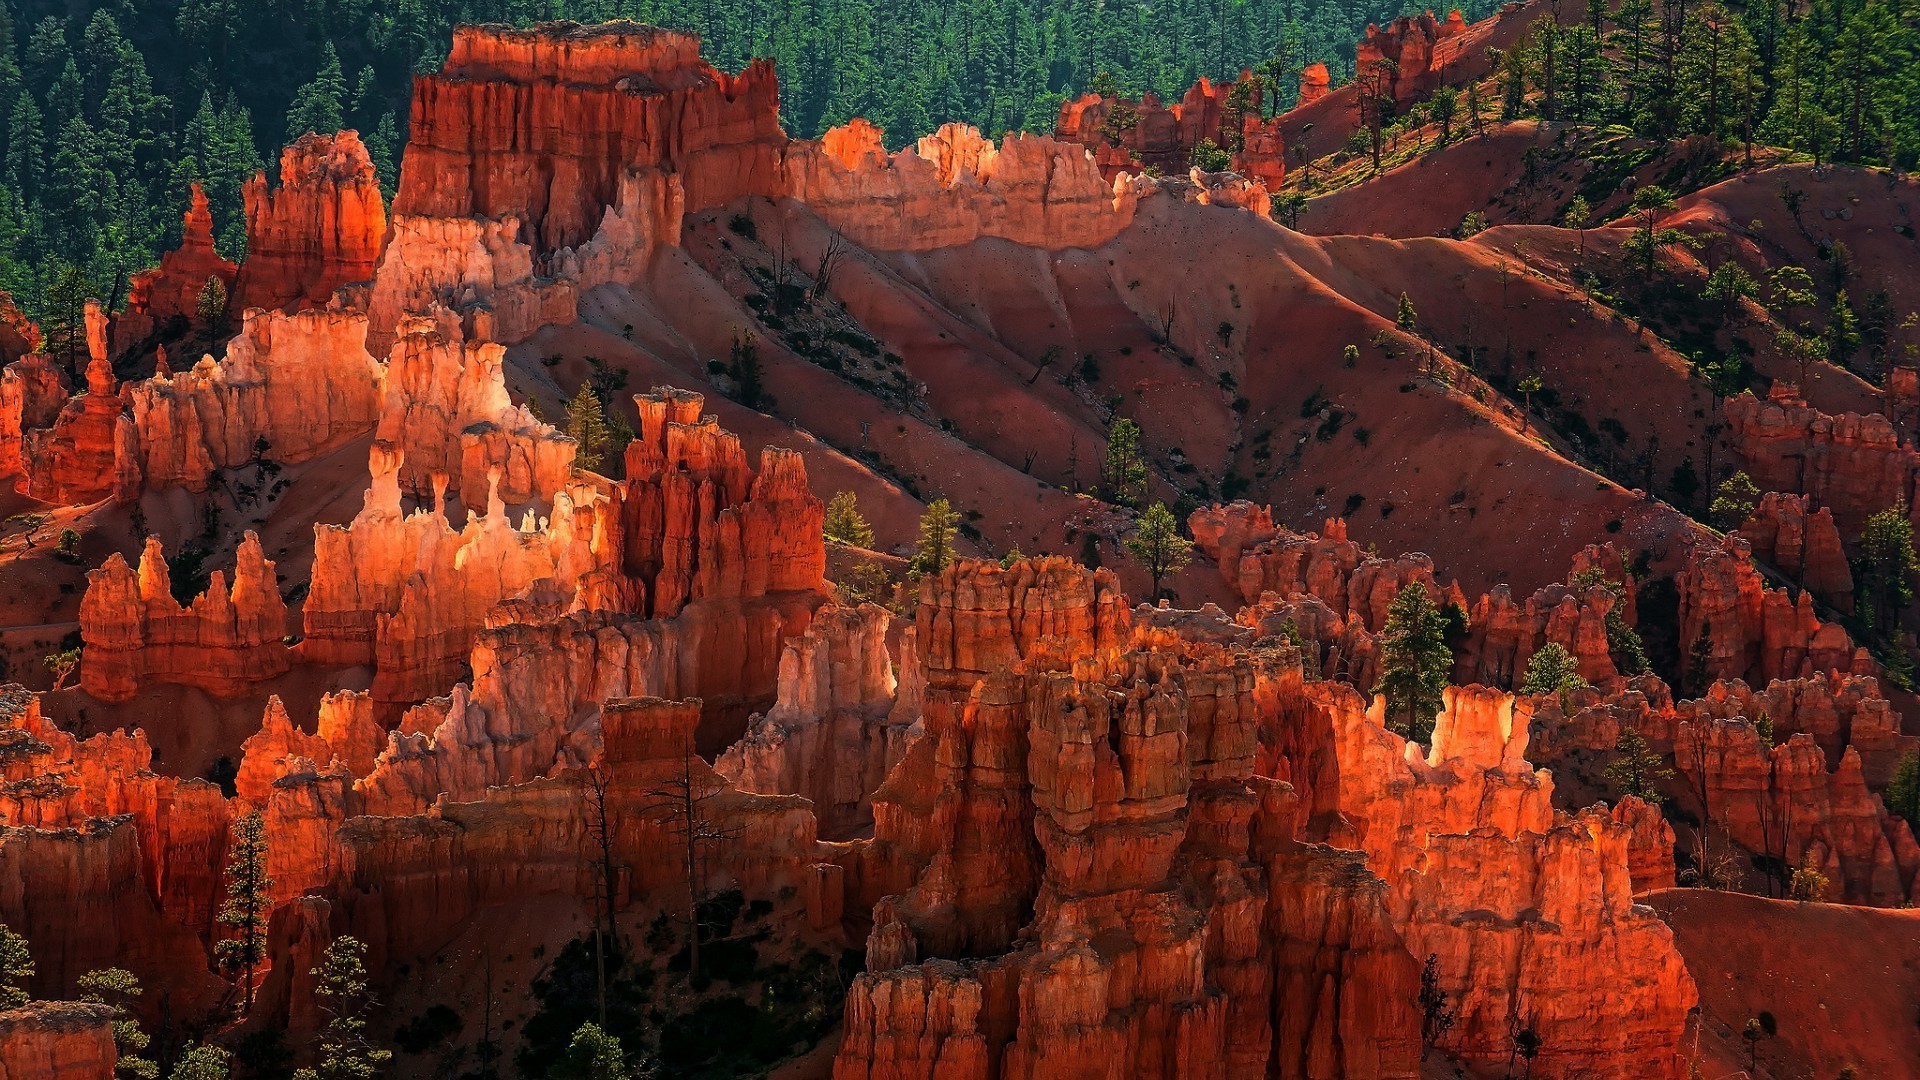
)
(830, 256)
(680, 806)
(602, 828)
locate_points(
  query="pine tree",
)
(249, 899)
(1415, 663)
(1903, 791)
(1123, 473)
(1158, 546)
(1887, 567)
(587, 427)
(1405, 317)
(1843, 331)
(121, 989)
(211, 308)
(24, 148)
(342, 1050)
(593, 1054)
(844, 524)
(16, 968)
(1553, 670)
(317, 107)
(201, 1063)
(63, 326)
(1699, 671)
(1636, 769)
(937, 528)
(1733, 502)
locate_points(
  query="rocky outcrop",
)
(1650, 848)
(91, 451)
(1750, 631)
(830, 735)
(1421, 48)
(1256, 557)
(303, 383)
(1853, 465)
(1128, 136)
(447, 412)
(1467, 830)
(1839, 710)
(1802, 543)
(476, 268)
(57, 1040)
(1104, 877)
(321, 229)
(1315, 83)
(692, 527)
(636, 99)
(1781, 802)
(32, 392)
(406, 592)
(954, 187)
(54, 781)
(137, 635)
(77, 895)
(170, 292)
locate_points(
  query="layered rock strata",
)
(320, 229)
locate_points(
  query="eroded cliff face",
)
(1739, 628)
(137, 635)
(1853, 465)
(57, 1040)
(170, 292)
(1803, 543)
(90, 451)
(1420, 48)
(954, 187)
(1782, 801)
(1127, 136)
(320, 229)
(484, 141)
(303, 383)
(1099, 864)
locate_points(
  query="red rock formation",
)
(407, 593)
(77, 895)
(91, 451)
(1146, 133)
(1852, 465)
(1755, 633)
(1781, 801)
(954, 187)
(475, 268)
(32, 391)
(137, 635)
(1314, 83)
(1650, 851)
(1418, 45)
(830, 735)
(1469, 827)
(1802, 543)
(57, 1040)
(692, 527)
(172, 289)
(1106, 803)
(636, 98)
(1839, 710)
(322, 229)
(304, 383)
(53, 781)
(447, 412)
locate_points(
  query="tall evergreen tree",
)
(1415, 663)
(249, 899)
(318, 106)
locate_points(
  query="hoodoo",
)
(706, 583)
